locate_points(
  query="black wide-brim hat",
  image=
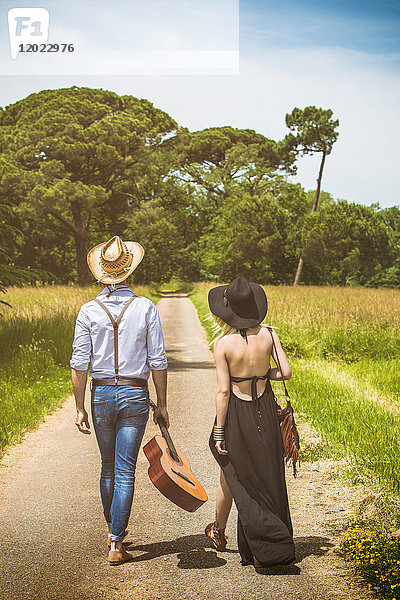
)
(241, 304)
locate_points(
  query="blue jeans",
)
(120, 415)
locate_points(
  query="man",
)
(119, 334)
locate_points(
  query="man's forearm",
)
(160, 383)
(79, 379)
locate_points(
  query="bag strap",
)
(115, 324)
(278, 361)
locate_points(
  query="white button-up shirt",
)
(140, 337)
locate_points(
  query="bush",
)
(372, 541)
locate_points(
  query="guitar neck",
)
(166, 436)
(170, 443)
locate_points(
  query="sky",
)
(214, 62)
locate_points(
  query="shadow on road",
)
(305, 546)
(279, 570)
(174, 294)
(181, 365)
(200, 559)
(196, 552)
(193, 552)
(312, 544)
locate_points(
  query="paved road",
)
(53, 539)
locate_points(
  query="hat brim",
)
(93, 260)
(256, 310)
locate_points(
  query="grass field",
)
(36, 336)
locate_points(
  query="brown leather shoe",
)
(217, 536)
(119, 557)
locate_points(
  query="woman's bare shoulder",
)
(226, 343)
(268, 330)
(219, 343)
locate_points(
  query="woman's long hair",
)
(221, 329)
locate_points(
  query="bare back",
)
(248, 359)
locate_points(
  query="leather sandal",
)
(217, 536)
(119, 557)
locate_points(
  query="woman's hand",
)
(221, 447)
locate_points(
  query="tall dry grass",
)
(346, 323)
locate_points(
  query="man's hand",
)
(79, 379)
(160, 383)
(82, 421)
(221, 447)
(162, 414)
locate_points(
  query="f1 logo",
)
(27, 25)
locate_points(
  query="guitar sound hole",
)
(176, 460)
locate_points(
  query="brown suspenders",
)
(115, 323)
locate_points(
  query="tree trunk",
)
(313, 210)
(299, 271)
(318, 190)
(81, 240)
(81, 236)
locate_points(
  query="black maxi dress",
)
(255, 473)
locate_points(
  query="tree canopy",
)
(68, 153)
(80, 165)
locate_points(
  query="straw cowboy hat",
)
(240, 304)
(113, 261)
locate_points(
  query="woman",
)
(246, 439)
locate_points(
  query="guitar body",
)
(171, 474)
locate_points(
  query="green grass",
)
(383, 376)
(350, 324)
(199, 298)
(36, 337)
(360, 428)
(175, 285)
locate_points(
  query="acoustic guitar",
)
(170, 471)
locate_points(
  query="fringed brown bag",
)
(290, 436)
